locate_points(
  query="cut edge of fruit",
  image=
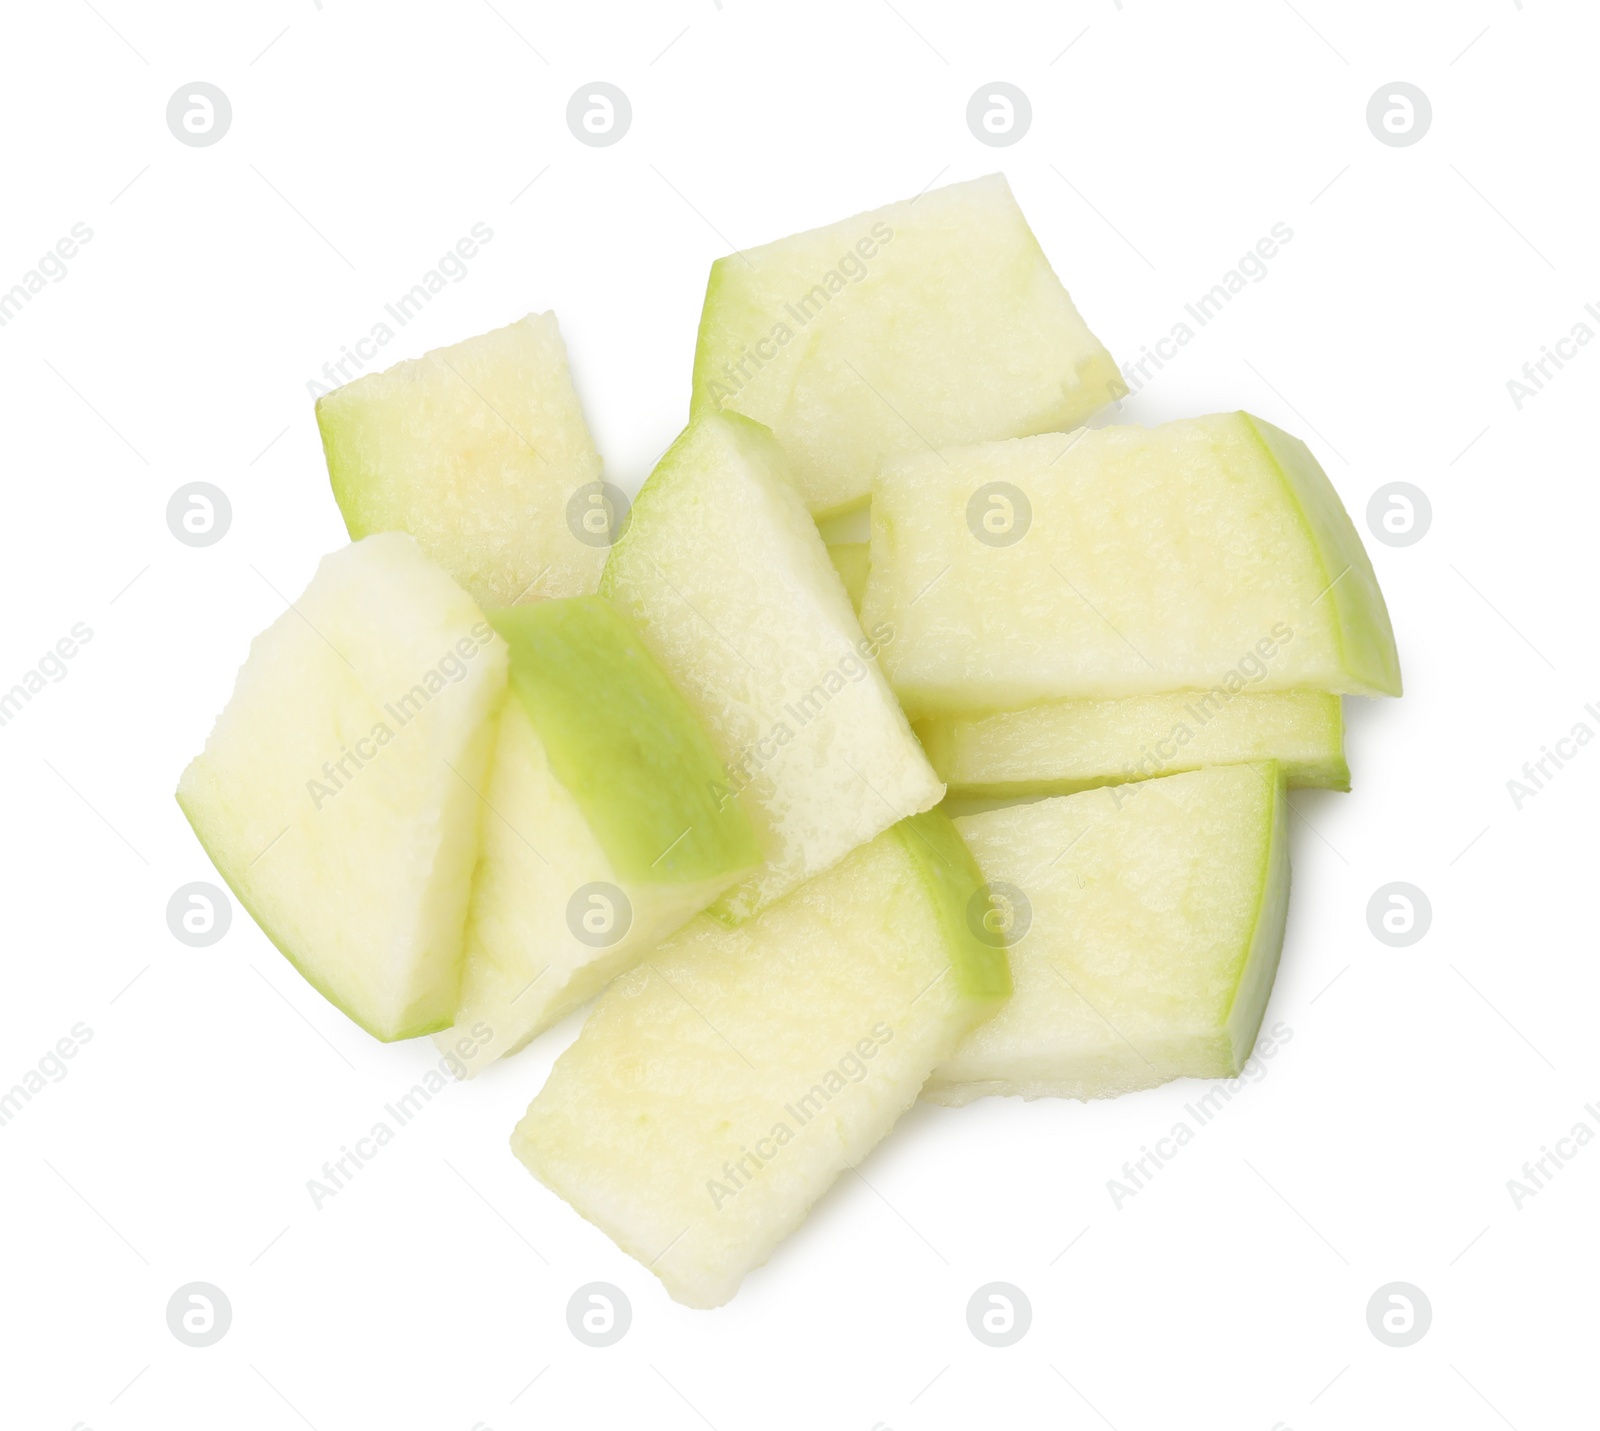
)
(1260, 969)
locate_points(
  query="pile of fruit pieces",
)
(519, 745)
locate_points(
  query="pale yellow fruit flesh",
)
(336, 792)
(720, 1087)
(1155, 918)
(477, 451)
(1067, 746)
(729, 584)
(937, 320)
(1209, 551)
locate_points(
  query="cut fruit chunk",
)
(603, 833)
(852, 560)
(480, 451)
(1119, 562)
(1144, 925)
(719, 1088)
(935, 320)
(1066, 746)
(729, 584)
(334, 794)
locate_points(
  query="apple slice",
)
(1066, 746)
(480, 451)
(726, 578)
(1120, 562)
(603, 832)
(852, 560)
(718, 1089)
(935, 321)
(1144, 925)
(335, 793)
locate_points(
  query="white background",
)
(1167, 138)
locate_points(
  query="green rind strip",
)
(1362, 625)
(624, 742)
(952, 878)
(1260, 968)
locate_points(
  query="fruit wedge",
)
(1144, 925)
(725, 577)
(718, 1089)
(602, 834)
(335, 793)
(935, 321)
(480, 451)
(1066, 746)
(1119, 562)
(852, 560)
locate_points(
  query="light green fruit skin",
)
(853, 561)
(1067, 746)
(952, 878)
(1171, 1040)
(620, 737)
(695, 1057)
(1363, 626)
(602, 775)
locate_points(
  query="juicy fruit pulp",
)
(602, 834)
(1066, 746)
(1145, 924)
(935, 321)
(336, 792)
(1123, 561)
(718, 1089)
(477, 450)
(723, 574)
